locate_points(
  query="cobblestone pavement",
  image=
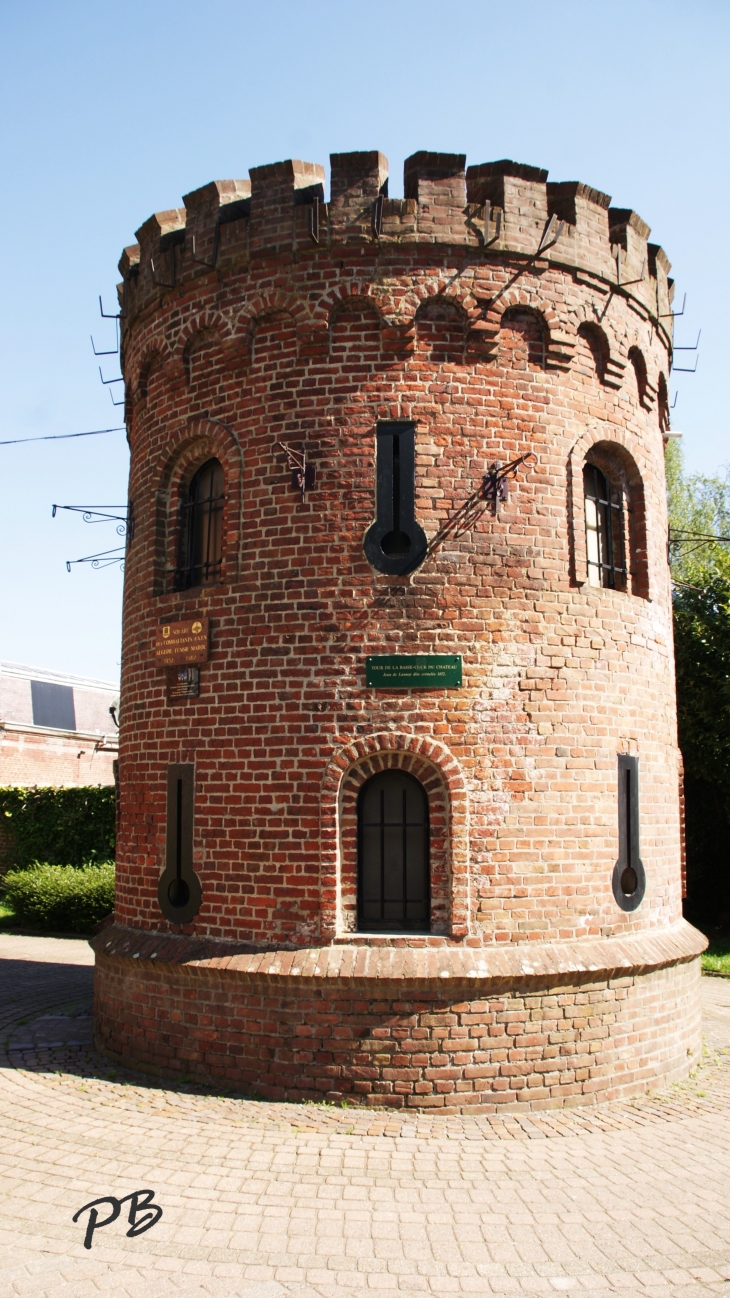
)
(268, 1200)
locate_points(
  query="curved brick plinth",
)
(467, 1029)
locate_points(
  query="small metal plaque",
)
(182, 642)
(413, 671)
(183, 683)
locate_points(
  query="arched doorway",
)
(393, 858)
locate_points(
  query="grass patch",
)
(60, 898)
(7, 914)
(716, 958)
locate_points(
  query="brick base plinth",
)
(404, 1028)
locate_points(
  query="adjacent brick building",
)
(336, 881)
(55, 729)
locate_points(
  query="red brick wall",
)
(311, 344)
(27, 759)
(519, 1042)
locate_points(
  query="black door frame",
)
(368, 926)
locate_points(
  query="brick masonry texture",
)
(260, 314)
(31, 758)
(380, 1034)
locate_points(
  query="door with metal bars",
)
(393, 855)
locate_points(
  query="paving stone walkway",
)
(266, 1200)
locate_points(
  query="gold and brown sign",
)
(177, 643)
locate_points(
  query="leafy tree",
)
(699, 506)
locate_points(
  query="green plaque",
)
(413, 671)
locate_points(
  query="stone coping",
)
(600, 957)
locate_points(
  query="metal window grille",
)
(393, 855)
(201, 529)
(604, 511)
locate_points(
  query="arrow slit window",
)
(629, 877)
(201, 528)
(395, 543)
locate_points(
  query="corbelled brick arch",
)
(276, 302)
(488, 314)
(585, 318)
(399, 304)
(193, 322)
(441, 325)
(152, 361)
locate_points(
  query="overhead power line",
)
(57, 437)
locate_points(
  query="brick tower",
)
(399, 770)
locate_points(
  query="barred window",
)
(604, 506)
(393, 852)
(201, 530)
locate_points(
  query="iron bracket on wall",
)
(107, 315)
(549, 237)
(161, 283)
(695, 541)
(313, 220)
(201, 261)
(628, 282)
(665, 315)
(105, 559)
(489, 239)
(551, 234)
(377, 216)
(115, 350)
(302, 474)
(102, 514)
(99, 514)
(492, 491)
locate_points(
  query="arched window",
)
(524, 339)
(393, 857)
(201, 530)
(605, 548)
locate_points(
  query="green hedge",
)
(64, 898)
(71, 826)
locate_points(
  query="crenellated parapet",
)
(496, 213)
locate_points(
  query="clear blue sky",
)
(113, 111)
